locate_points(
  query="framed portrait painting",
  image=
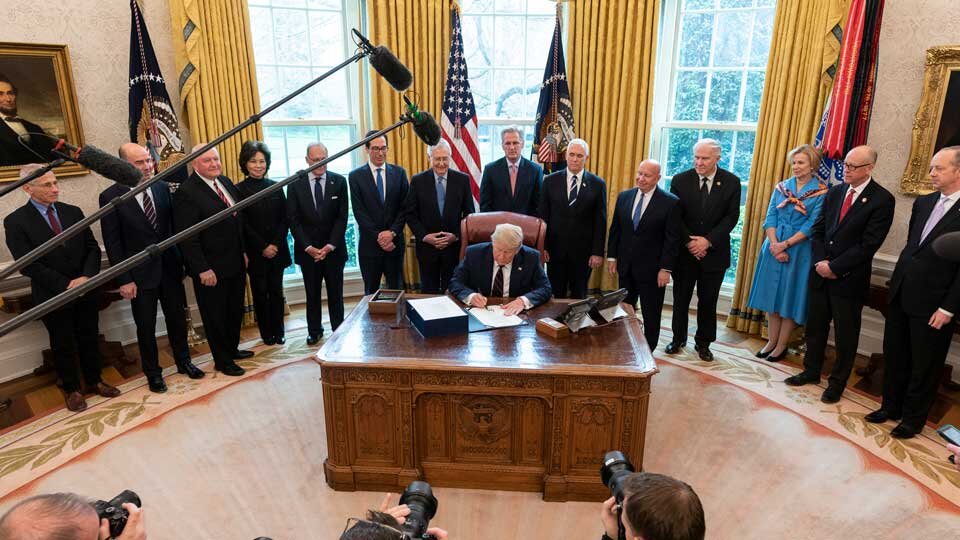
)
(38, 106)
(937, 123)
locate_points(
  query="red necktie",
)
(847, 203)
(216, 187)
(54, 224)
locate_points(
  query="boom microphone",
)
(948, 246)
(424, 125)
(100, 162)
(387, 65)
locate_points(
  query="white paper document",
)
(438, 307)
(612, 313)
(493, 317)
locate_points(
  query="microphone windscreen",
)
(108, 166)
(390, 68)
(948, 246)
(427, 129)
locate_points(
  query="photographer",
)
(655, 507)
(956, 453)
(65, 516)
(383, 525)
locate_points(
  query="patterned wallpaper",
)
(909, 29)
(97, 34)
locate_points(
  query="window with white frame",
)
(295, 41)
(710, 75)
(506, 44)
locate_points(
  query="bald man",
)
(145, 220)
(215, 258)
(65, 516)
(643, 245)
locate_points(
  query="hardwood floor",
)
(35, 395)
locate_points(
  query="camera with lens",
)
(615, 469)
(114, 512)
(423, 506)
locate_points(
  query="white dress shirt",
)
(507, 268)
(210, 183)
(579, 176)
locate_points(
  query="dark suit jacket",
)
(924, 280)
(13, 153)
(127, 231)
(495, 193)
(656, 242)
(475, 274)
(714, 224)
(374, 216)
(219, 247)
(575, 231)
(26, 228)
(264, 223)
(317, 228)
(423, 214)
(851, 244)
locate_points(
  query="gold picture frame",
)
(42, 80)
(937, 123)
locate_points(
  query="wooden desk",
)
(502, 409)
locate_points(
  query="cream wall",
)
(909, 28)
(97, 35)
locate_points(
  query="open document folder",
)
(493, 317)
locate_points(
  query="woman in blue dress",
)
(783, 265)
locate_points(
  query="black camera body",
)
(615, 469)
(114, 512)
(423, 506)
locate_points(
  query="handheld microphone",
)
(424, 125)
(948, 246)
(387, 65)
(100, 162)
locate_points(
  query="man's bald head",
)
(648, 174)
(139, 157)
(56, 516)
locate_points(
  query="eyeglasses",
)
(357, 522)
(853, 167)
(378, 148)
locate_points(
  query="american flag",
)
(459, 119)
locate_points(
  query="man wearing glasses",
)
(377, 191)
(854, 222)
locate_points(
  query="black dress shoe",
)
(279, 340)
(904, 431)
(831, 394)
(156, 384)
(776, 358)
(880, 416)
(704, 352)
(802, 378)
(674, 347)
(231, 369)
(763, 354)
(186, 367)
(240, 355)
(268, 340)
(313, 339)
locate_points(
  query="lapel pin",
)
(519, 269)
(718, 182)
(863, 200)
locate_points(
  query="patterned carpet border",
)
(923, 458)
(36, 448)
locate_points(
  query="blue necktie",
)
(638, 211)
(380, 185)
(441, 193)
(318, 192)
(573, 190)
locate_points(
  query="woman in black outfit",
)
(265, 230)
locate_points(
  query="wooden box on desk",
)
(387, 301)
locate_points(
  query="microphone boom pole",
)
(154, 250)
(32, 176)
(84, 223)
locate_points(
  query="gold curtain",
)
(213, 49)
(803, 49)
(612, 52)
(418, 33)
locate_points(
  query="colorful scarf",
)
(798, 201)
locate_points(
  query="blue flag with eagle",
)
(152, 120)
(554, 122)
